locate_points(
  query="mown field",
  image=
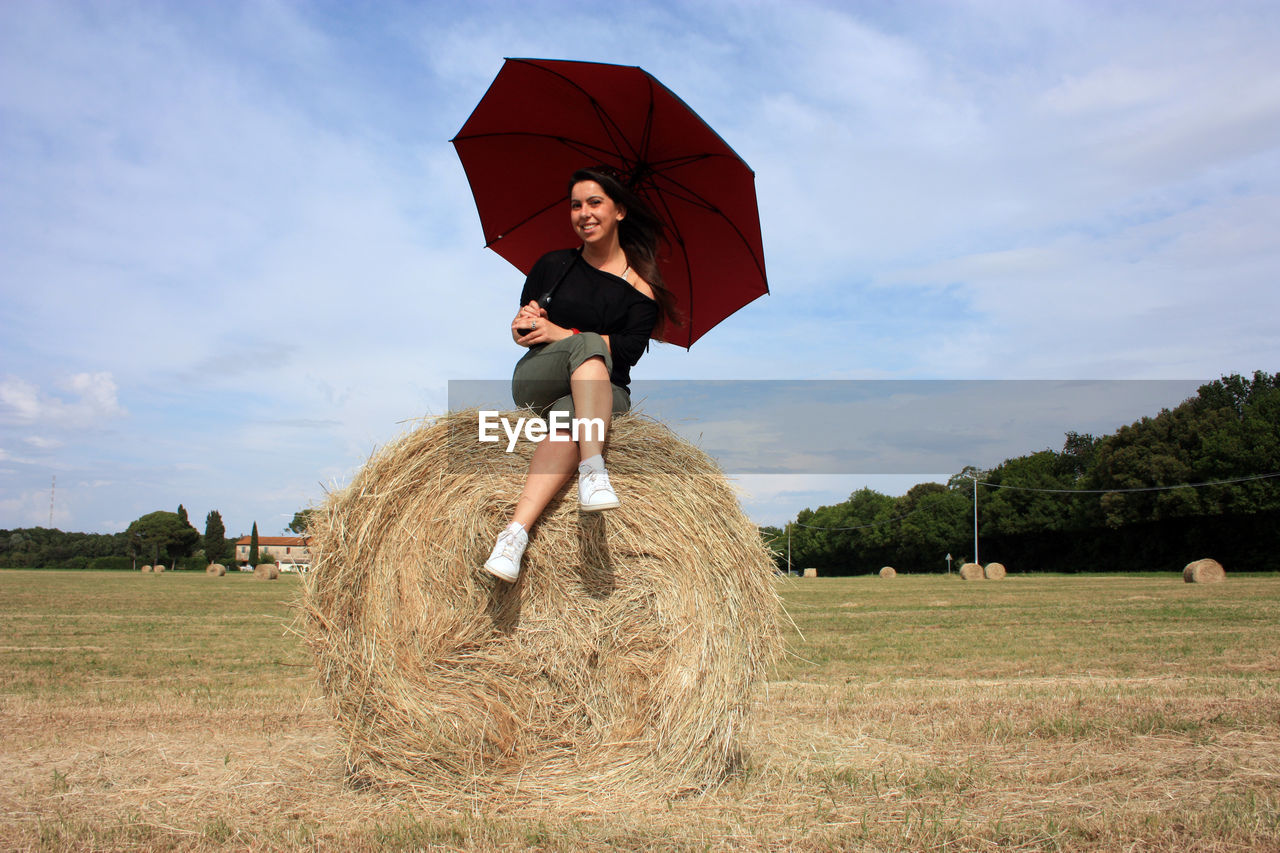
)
(920, 713)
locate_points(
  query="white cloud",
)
(21, 398)
(31, 509)
(97, 393)
(22, 402)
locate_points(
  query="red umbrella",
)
(542, 119)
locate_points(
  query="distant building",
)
(289, 551)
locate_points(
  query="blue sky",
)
(237, 252)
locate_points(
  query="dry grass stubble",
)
(1102, 731)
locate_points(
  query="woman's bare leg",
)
(552, 464)
(592, 398)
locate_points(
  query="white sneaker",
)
(594, 491)
(504, 562)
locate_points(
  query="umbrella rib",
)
(653, 81)
(594, 153)
(645, 138)
(690, 197)
(605, 119)
(582, 147)
(489, 243)
(688, 272)
(614, 132)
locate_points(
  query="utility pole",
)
(53, 488)
(975, 519)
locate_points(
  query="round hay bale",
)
(216, 569)
(266, 571)
(994, 572)
(971, 572)
(888, 572)
(811, 573)
(158, 568)
(623, 663)
(146, 569)
(1204, 571)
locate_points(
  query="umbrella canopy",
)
(543, 119)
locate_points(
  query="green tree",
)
(845, 538)
(215, 537)
(1016, 509)
(1230, 429)
(194, 537)
(302, 519)
(933, 522)
(253, 545)
(1077, 455)
(160, 534)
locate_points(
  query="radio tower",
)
(53, 488)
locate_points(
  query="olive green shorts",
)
(541, 378)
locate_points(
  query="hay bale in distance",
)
(216, 569)
(146, 569)
(811, 573)
(622, 665)
(158, 568)
(994, 572)
(971, 572)
(888, 572)
(266, 572)
(1204, 571)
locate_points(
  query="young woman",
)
(586, 316)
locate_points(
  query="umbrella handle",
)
(545, 302)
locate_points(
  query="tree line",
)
(157, 537)
(1125, 501)
(1132, 500)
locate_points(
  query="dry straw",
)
(158, 568)
(888, 572)
(266, 571)
(811, 573)
(1204, 571)
(994, 572)
(621, 666)
(216, 569)
(971, 572)
(146, 569)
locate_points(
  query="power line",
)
(1054, 491)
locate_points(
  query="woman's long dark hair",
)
(639, 233)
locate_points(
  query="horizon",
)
(241, 254)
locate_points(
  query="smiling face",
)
(594, 215)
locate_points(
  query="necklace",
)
(625, 269)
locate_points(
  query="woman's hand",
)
(525, 320)
(536, 328)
